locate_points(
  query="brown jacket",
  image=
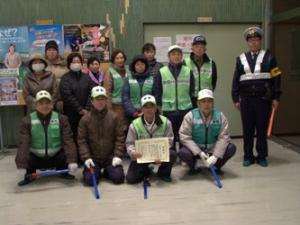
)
(100, 135)
(68, 145)
(108, 82)
(58, 68)
(33, 85)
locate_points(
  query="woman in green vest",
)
(113, 84)
(138, 84)
(45, 141)
(204, 134)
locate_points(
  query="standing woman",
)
(138, 84)
(95, 74)
(113, 83)
(38, 79)
(75, 90)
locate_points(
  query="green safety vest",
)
(142, 132)
(206, 136)
(176, 94)
(204, 79)
(118, 82)
(137, 92)
(42, 144)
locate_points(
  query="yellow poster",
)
(153, 149)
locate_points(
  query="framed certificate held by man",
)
(154, 149)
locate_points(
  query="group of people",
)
(95, 118)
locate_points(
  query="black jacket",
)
(268, 89)
(75, 88)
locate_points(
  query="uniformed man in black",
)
(255, 90)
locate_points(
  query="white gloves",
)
(21, 174)
(116, 161)
(72, 167)
(89, 163)
(211, 161)
(204, 157)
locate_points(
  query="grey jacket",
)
(132, 135)
(185, 133)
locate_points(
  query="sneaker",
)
(263, 162)
(24, 182)
(67, 176)
(166, 178)
(248, 162)
(194, 171)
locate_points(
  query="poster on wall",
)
(40, 35)
(14, 47)
(185, 41)
(8, 91)
(162, 45)
(88, 39)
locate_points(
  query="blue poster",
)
(40, 35)
(14, 37)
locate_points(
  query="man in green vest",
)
(203, 67)
(174, 89)
(204, 134)
(46, 141)
(149, 125)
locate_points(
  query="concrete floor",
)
(253, 196)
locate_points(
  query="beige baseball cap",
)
(98, 91)
(173, 47)
(43, 94)
(148, 98)
(205, 93)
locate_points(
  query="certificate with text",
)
(153, 149)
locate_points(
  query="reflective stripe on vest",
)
(205, 81)
(142, 132)
(206, 136)
(137, 92)
(257, 74)
(39, 145)
(118, 82)
(176, 95)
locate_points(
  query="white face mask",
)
(75, 67)
(38, 67)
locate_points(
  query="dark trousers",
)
(58, 162)
(255, 113)
(136, 172)
(186, 155)
(115, 174)
(176, 119)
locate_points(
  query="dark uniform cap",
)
(253, 32)
(199, 39)
(51, 44)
